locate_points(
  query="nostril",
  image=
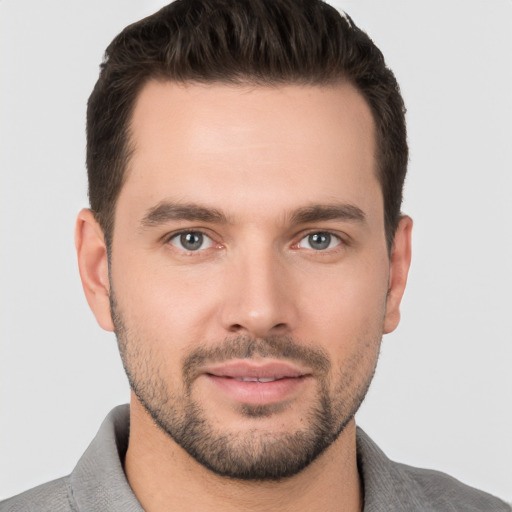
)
(236, 328)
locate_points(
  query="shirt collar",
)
(98, 481)
(387, 484)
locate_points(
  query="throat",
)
(163, 476)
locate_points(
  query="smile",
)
(257, 383)
(258, 379)
(256, 370)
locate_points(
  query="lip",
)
(256, 369)
(280, 380)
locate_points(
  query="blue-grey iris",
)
(191, 241)
(319, 241)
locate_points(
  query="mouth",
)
(257, 382)
(258, 379)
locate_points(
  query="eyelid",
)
(181, 231)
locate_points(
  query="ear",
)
(93, 265)
(400, 261)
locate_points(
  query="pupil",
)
(320, 241)
(191, 241)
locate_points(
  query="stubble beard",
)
(253, 454)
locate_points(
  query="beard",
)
(254, 454)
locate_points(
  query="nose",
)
(259, 297)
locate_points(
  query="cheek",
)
(345, 317)
(165, 307)
(346, 301)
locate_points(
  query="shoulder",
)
(390, 485)
(54, 496)
(443, 492)
(97, 483)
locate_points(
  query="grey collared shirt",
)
(98, 482)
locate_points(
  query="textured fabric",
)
(390, 486)
(98, 483)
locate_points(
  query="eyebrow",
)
(167, 211)
(316, 213)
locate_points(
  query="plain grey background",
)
(442, 394)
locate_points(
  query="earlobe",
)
(400, 261)
(93, 265)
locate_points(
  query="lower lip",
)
(258, 393)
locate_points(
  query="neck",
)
(164, 477)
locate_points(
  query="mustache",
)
(245, 347)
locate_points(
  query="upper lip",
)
(256, 369)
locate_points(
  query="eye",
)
(191, 241)
(319, 241)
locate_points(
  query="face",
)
(249, 275)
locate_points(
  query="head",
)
(246, 161)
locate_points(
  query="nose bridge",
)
(258, 296)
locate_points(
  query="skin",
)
(258, 155)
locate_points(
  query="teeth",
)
(256, 379)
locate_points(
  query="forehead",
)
(252, 145)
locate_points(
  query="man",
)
(245, 243)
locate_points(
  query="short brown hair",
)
(262, 42)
